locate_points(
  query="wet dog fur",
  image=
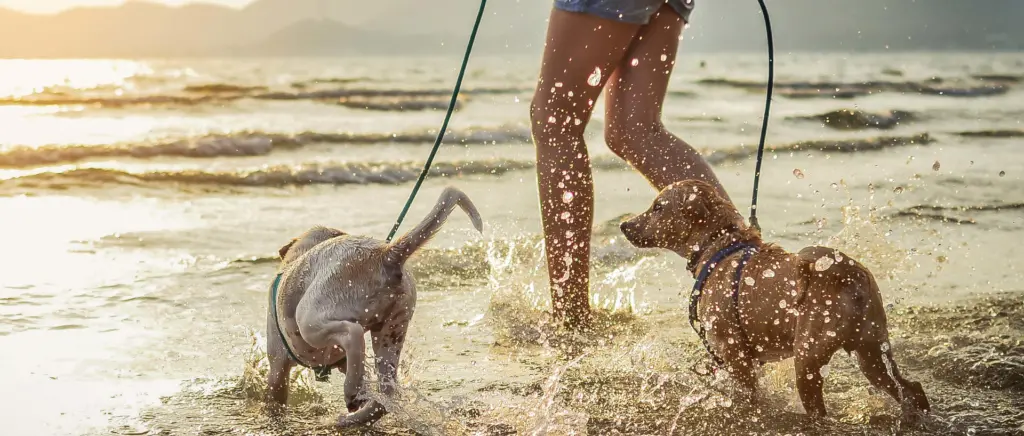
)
(335, 287)
(805, 305)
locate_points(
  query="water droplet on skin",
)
(595, 77)
(839, 257)
(732, 341)
(749, 281)
(569, 234)
(1002, 173)
(831, 333)
(810, 376)
(567, 197)
(635, 62)
(664, 57)
(936, 166)
(551, 119)
(558, 84)
(759, 348)
(566, 215)
(797, 173)
(782, 304)
(823, 263)
(885, 347)
(897, 190)
(695, 247)
(824, 371)
(828, 320)
(776, 321)
(577, 121)
(768, 273)
(692, 197)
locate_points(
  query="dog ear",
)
(284, 250)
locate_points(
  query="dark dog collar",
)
(702, 278)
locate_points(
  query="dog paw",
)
(365, 416)
(355, 404)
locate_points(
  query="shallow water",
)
(142, 219)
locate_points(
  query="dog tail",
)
(407, 244)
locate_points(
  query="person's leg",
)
(581, 52)
(633, 104)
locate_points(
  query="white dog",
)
(332, 288)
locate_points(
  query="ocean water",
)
(142, 203)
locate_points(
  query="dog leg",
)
(877, 364)
(387, 346)
(814, 347)
(809, 384)
(280, 367)
(739, 361)
(349, 336)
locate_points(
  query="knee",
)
(624, 133)
(553, 127)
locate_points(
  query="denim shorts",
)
(626, 11)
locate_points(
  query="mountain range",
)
(408, 27)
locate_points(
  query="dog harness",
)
(698, 287)
(323, 372)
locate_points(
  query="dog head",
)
(683, 214)
(305, 242)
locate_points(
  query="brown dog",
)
(761, 304)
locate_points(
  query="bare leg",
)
(581, 52)
(634, 98)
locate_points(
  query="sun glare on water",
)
(21, 78)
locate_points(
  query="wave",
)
(843, 90)
(978, 207)
(390, 173)
(361, 173)
(115, 101)
(224, 88)
(948, 214)
(993, 134)
(854, 119)
(1005, 78)
(328, 80)
(399, 104)
(378, 93)
(839, 146)
(246, 144)
(220, 93)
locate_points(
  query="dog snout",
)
(631, 230)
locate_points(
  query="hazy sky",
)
(57, 5)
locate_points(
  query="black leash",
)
(767, 112)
